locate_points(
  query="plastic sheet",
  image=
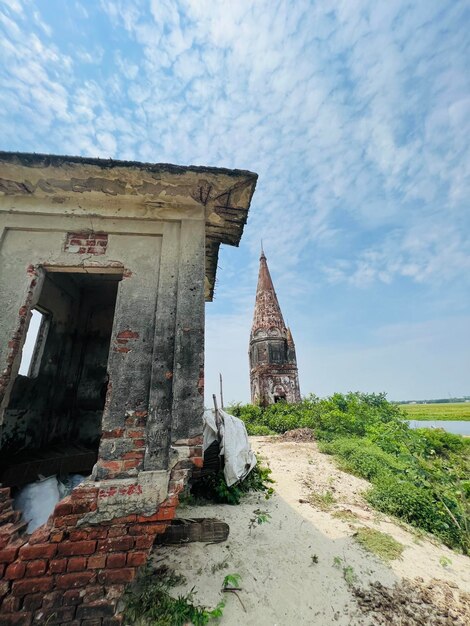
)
(234, 444)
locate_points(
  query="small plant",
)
(216, 567)
(324, 501)
(346, 515)
(149, 599)
(231, 581)
(214, 488)
(231, 584)
(349, 575)
(381, 544)
(259, 517)
(337, 561)
(444, 561)
(314, 558)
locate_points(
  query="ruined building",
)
(273, 364)
(112, 261)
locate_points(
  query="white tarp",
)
(234, 445)
(37, 500)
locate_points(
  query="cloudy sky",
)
(354, 113)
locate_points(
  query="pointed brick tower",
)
(273, 364)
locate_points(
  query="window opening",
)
(35, 337)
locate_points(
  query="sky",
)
(354, 113)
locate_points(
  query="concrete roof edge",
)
(32, 158)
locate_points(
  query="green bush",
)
(214, 488)
(363, 457)
(420, 475)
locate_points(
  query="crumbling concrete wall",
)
(158, 228)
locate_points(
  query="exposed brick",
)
(66, 521)
(4, 493)
(38, 551)
(72, 597)
(96, 609)
(147, 529)
(14, 571)
(128, 334)
(40, 535)
(56, 535)
(198, 462)
(136, 434)
(57, 566)
(76, 548)
(123, 575)
(35, 568)
(79, 535)
(72, 581)
(59, 615)
(117, 544)
(136, 559)
(11, 604)
(97, 561)
(95, 592)
(83, 506)
(84, 492)
(144, 541)
(91, 622)
(156, 517)
(52, 599)
(9, 554)
(33, 602)
(16, 619)
(76, 564)
(96, 533)
(64, 507)
(112, 434)
(129, 519)
(115, 560)
(117, 531)
(32, 585)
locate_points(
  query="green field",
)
(455, 411)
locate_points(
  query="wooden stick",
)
(221, 393)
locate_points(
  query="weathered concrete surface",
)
(273, 364)
(121, 364)
(78, 186)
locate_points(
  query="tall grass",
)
(421, 476)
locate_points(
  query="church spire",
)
(267, 310)
(273, 363)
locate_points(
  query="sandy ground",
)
(303, 565)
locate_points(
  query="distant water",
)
(457, 427)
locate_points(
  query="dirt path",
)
(303, 566)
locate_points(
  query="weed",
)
(337, 561)
(381, 544)
(149, 599)
(444, 561)
(349, 575)
(259, 517)
(419, 476)
(346, 515)
(231, 580)
(216, 567)
(324, 501)
(213, 486)
(314, 558)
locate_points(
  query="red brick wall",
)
(86, 243)
(72, 573)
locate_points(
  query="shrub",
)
(418, 475)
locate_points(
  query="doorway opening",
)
(52, 423)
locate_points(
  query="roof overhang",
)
(120, 189)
